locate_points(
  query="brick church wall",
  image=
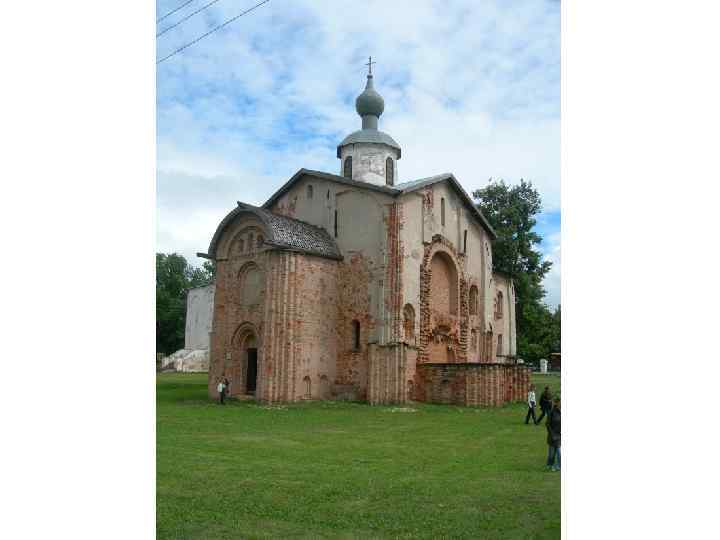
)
(300, 338)
(353, 304)
(295, 333)
(387, 374)
(304, 313)
(443, 332)
(486, 385)
(230, 308)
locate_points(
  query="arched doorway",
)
(251, 365)
(243, 370)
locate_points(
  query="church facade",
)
(357, 286)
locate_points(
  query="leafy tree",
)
(173, 277)
(511, 211)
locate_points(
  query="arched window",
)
(443, 284)
(442, 211)
(259, 241)
(308, 387)
(389, 172)
(409, 322)
(310, 191)
(473, 301)
(250, 241)
(465, 242)
(241, 245)
(356, 335)
(499, 345)
(251, 286)
(499, 306)
(347, 168)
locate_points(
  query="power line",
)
(213, 30)
(174, 10)
(186, 18)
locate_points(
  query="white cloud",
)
(552, 278)
(469, 87)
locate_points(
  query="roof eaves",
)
(265, 216)
(285, 247)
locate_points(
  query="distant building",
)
(195, 355)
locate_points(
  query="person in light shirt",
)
(531, 406)
(221, 391)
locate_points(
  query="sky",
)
(470, 87)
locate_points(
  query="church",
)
(358, 286)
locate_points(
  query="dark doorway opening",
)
(251, 371)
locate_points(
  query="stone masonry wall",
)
(437, 329)
(353, 282)
(299, 343)
(387, 374)
(294, 332)
(486, 385)
(231, 309)
(393, 302)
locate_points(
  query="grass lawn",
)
(348, 470)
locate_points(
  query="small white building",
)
(195, 356)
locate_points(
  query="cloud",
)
(470, 88)
(551, 282)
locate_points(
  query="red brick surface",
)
(299, 314)
(487, 385)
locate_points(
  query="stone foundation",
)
(473, 385)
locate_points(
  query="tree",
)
(173, 278)
(511, 211)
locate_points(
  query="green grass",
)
(348, 470)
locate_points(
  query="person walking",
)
(553, 439)
(545, 404)
(221, 391)
(531, 405)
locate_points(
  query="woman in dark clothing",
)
(545, 403)
(553, 439)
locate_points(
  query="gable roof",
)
(325, 176)
(283, 232)
(394, 191)
(408, 187)
(370, 136)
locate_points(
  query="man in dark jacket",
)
(553, 439)
(545, 403)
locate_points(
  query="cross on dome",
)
(369, 65)
(369, 106)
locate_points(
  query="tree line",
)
(174, 276)
(511, 211)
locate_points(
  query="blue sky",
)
(470, 87)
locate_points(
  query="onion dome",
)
(370, 103)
